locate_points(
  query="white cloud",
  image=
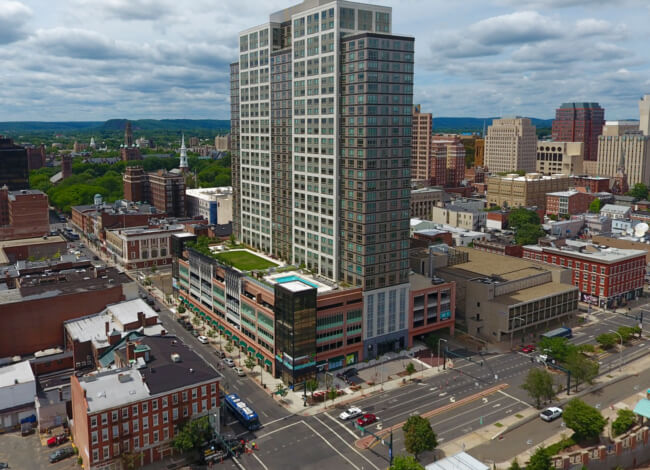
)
(13, 17)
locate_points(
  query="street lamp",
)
(512, 331)
(443, 361)
(620, 353)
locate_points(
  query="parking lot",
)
(27, 453)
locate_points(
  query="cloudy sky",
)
(102, 59)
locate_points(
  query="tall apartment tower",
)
(580, 122)
(644, 115)
(324, 163)
(234, 148)
(510, 145)
(422, 135)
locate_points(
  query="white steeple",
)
(183, 163)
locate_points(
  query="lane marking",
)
(329, 444)
(346, 443)
(513, 398)
(261, 463)
(279, 429)
(340, 424)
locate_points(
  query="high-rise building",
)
(623, 143)
(580, 122)
(234, 148)
(13, 165)
(560, 157)
(165, 190)
(511, 145)
(644, 115)
(325, 149)
(35, 157)
(448, 157)
(422, 135)
(479, 152)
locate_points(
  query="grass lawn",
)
(244, 260)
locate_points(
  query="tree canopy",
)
(582, 369)
(418, 435)
(521, 216)
(539, 385)
(540, 460)
(528, 234)
(595, 206)
(405, 462)
(585, 420)
(639, 191)
(193, 434)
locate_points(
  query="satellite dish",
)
(641, 229)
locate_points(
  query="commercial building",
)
(17, 393)
(523, 191)
(479, 152)
(14, 172)
(510, 145)
(23, 214)
(505, 246)
(644, 115)
(506, 297)
(447, 160)
(49, 299)
(213, 204)
(580, 122)
(467, 215)
(432, 306)
(347, 150)
(566, 203)
(616, 212)
(560, 158)
(623, 145)
(594, 184)
(423, 201)
(605, 276)
(138, 410)
(222, 143)
(165, 190)
(422, 148)
(142, 247)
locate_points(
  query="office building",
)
(14, 171)
(559, 158)
(35, 157)
(23, 214)
(213, 204)
(422, 138)
(423, 201)
(142, 247)
(623, 145)
(447, 160)
(644, 115)
(234, 148)
(567, 203)
(163, 189)
(605, 276)
(222, 143)
(479, 152)
(580, 122)
(346, 141)
(511, 145)
(137, 411)
(523, 191)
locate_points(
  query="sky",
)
(91, 60)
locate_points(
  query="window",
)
(114, 416)
(134, 410)
(155, 420)
(136, 442)
(95, 455)
(116, 448)
(185, 412)
(145, 439)
(116, 431)
(145, 422)
(135, 425)
(195, 408)
(213, 388)
(154, 405)
(125, 413)
(165, 416)
(194, 393)
(175, 414)
(105, 434)
(93, 421)
(105, 453)
(145, 408)
(204, 390)
(213, 402)
(166, 433)
(175, 398)
(94, 437)
(184, 395)
(164, 402)
(125, 445)
(125, 428)
(155, 436)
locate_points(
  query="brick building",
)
(142, 247)
(595, 184)
(500, 246)
(36, 157)
(421, 156)
(564, 203)
(432, 306)
(14, 172)
(134, 411)
(32, 313)
(23, 214)
(605, 276)
(12, 251)
(580, 122)
(163, 189)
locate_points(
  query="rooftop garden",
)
(240, 259)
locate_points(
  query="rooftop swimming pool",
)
(282, 280)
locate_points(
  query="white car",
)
(550, 413)
(240, 372)
(350, 413)
(229, 362)
(203, 339)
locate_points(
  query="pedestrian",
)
(254, 446)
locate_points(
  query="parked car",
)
(220, 354)
(195, 333)
(529, 348)
(350, 413)
(4, 465)
(229, 362)
(240, 372)
(550, 413)
(366, 419)
(57, 440)
(61, 454)
(203, 339)
(150, 301)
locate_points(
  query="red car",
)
(57, 440)
(529, 348)
(366, 419)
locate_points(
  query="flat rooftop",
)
(536, 292)
(589, 251)
(18, 372)
(297, 281)
(110, 389)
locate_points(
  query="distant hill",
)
(470, 124)
(113, 125)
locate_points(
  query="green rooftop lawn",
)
(245, 261)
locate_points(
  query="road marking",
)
(340, 424)
(261, 463)
(330, 444)
(347, 444)
(279, 429)
(514, 398)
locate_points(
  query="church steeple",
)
(183, 163)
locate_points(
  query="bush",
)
(79, 460)
(558, 447)
(625, 419)
(607, 340)
(587, 348)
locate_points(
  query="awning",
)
(267, 362)
(259, 356)
(181, 297)
(235, 338)
(242, 343)
(251, 349)
(222, 328)
(228, 333)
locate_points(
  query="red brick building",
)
(142, 247)
(568, 202)
(432, 306)
(95, 220)
(500, 247)
(595, 184)
(604, 276)
(136, 412)
(163, 189)
(23, 214)
(35, 157)
(580, 122)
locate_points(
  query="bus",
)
(243, 412)
(562, 332)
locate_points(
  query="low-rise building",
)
(432, 306)
(505, 246)
(615, 211)
(142, 247)
(524, 191)
(565, 203)
(595, 184)
(17, 393)
(565, 228)
(213, 204)
(23, 214)
(605, 276)
(423, 201)
(467, 215)
(559, 158)
(137, 408)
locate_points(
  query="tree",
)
(519, 217)
(405, 462)
(211, 333)
(181, 309)
(540, 460)
(418, 436)
(410, 368)
(311, 385)
(559, 348)
(582, 369)
(595, 206)
(281, 390)
(250, 363)
(229, 347)
(625, 419)
(585, 421)
(153, 269)
(626, 332)
(639, 191)
(539, 385)
(607, 340)
(193, 434)
(528, 234)
(515, 465)
(431, 340)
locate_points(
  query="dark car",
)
(220, 354)
(348, 373)
(188, 325)
(4, 465)
(195, 333)
(156, 308)
(96, 258)
(61, 454)
(150, 301)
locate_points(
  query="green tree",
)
(539, 385)
(607, 340)
(595, 206)
(229, 347)
(281, 390)
(410, 368)
(585, 421)
(520, 217)
(418, 436)
(332, 393)
(211, 333)
(181, 309)
(528, 234)
(250, 363)
(625, 419)
(559, 348)
(582, 369)
(515, 465)
(153, 269)
(405, 462)
(540, 460)
(639, 191)
(311, 385)
(626, 332)
(193, 434)
(431, 340)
